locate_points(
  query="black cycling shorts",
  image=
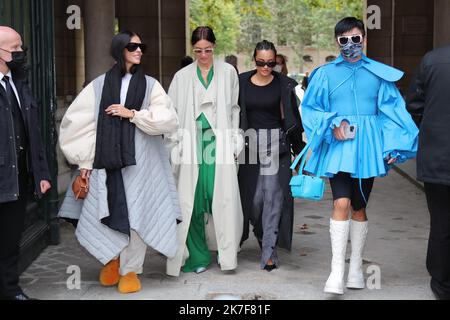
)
(344, 186)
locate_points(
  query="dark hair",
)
(264, 45)
(233, 60)
(330, 58)
(284, 69)
(348, 24)
(203, 33)
(305, 82)
(118, 44)
(187, 60)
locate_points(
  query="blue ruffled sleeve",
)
(315, 105)
(398, 130)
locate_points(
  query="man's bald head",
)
(8, 35)
(10, 41)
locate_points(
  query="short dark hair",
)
(264, 45)
(118, 44)
(231, 59)
(330, 58)
(203, 33)
(187, 60)
(347, 24)
(305, 82)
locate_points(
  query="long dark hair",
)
(284, 60)
(203, 33)
(264, 45)
(118, 44)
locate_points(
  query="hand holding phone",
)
(339, 132)
(350, 132)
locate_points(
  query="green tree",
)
(300, 23)
(324, 14)
(254, 16)
(222, 16)
(240, 24)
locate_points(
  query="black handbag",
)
(284, 144)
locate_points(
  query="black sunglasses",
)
(132, 47)
(343, 40)
(270, 64)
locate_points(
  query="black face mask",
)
(19, 59)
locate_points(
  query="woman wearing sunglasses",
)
(113, 133)
(357, 117)
(205, 94)
(271, 121)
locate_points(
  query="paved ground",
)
(396, 249)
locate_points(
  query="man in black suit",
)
(429, 103)
(21, 158)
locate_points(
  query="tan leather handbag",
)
(80, 187)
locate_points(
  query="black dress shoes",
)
(270, 267)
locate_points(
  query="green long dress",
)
(199, 254)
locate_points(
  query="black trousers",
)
(438, 255)
(12, 220)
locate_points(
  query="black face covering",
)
(19, 59)
(18, 64)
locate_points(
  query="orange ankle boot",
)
(109, 275)
(129, 283)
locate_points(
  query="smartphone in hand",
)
(350, 131)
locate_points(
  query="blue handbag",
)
(304, 186)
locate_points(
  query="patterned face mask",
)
(352, 50)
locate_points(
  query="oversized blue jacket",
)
(364, 94)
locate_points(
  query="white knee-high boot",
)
(339, 236)
(358, 235)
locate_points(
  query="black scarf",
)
(115, 145)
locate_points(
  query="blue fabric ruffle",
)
(387, 130)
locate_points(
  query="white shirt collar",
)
(9, 74)
(11, 82)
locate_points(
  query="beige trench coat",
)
(219, 104)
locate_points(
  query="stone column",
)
(99, 21)
(441, 23)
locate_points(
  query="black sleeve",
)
(39, 162)
(296, 134)
(415, 99)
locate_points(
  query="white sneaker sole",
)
(358, 284)
(333, 290)
(200, 270)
